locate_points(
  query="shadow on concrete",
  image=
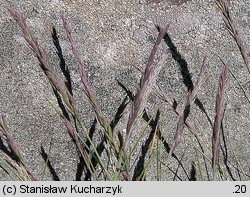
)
(186, 75)
(46, 159)
(193, 173)
(64, 68)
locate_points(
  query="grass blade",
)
(219, 108)
(146, 82)
(223, 5)
(190, 100)
(88, 90)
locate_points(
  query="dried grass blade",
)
(190, 100)
(146, 82)
(219, 108)
(18, 163)
(9, 140)
(55, 79)
(88, 90)
(224, 5)
(73, 133)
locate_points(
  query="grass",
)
(114, 157)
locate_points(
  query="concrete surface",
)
(114, 37)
